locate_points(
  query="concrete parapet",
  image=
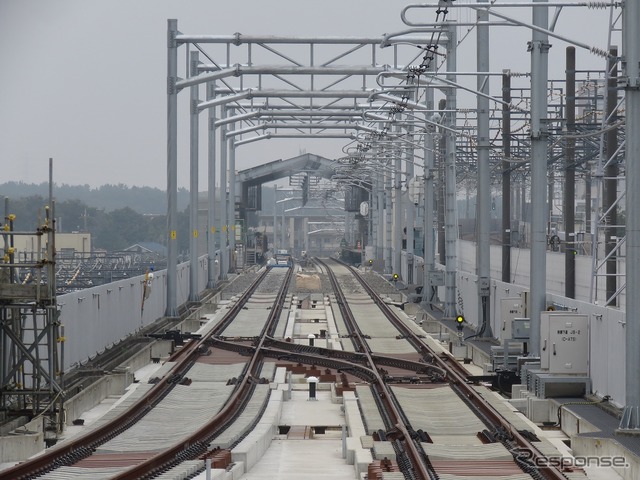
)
(519, 391)
(538, 409)
(88, 398)
(22, 443)
(280, 377)
(593, 447)
(251, 449)
(572, 423)
(520, 404)
(159, 349)
(356, 455)
(352, 415)
(190, 325)
(362, 460)
(11, 425)
(291, 320)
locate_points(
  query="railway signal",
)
(395, 277)
(459, 322)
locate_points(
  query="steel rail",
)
(416, 457)
(457, 376)
(355, 357)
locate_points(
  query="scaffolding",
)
(31, 337)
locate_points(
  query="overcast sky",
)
(84, 81)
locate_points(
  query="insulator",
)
(599, 51)
(598, 5)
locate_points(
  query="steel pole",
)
(429, 205)
(506, 180)
(172, 167)
(483, 203)
(275, 216)
(211, 229)
(381, 205)
(539, 48)
(631, 77)
(410, 208)
(442, 149)
(224, 227)
(388, 178)
(373, 212)
(451, 209)
(283, 232)
(193, 183)
(231, 205)
(570, 178)
(397, 208)
(380, 215)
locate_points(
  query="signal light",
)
(395, 277)
(459, 321)
(370, 261)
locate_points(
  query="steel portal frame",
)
(329, 108)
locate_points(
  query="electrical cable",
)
(605, 399)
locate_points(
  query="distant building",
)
(27, 246)
(148, 247)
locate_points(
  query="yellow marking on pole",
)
(173, 234)
(195, 234)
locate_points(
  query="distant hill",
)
(143, 200)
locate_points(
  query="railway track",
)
(391, 365)
(497, 429)
(111, 451)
